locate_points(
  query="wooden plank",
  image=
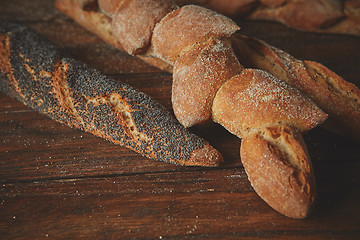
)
(195, 204)
(36, 147)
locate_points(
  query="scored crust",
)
(279, 169)
(341, 99)
(256, 99)
(335, 96)
(78, 96)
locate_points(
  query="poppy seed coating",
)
(78, 96)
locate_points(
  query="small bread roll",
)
(187, 26)
(197, 76)
(134, 21)
(255, 99)
(280, 171)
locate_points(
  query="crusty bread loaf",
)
(277, 164)
(33, 71)
(341, 99)
(196, 41)
(325, 16)
(185, 27)
(134, 21)
(338, 98)
(197, 76)
(255, 99)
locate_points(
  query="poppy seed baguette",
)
(33, 71)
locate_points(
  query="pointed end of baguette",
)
(207, 156)
(279, 169)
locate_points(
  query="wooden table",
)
(61, 183)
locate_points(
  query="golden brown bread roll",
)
(185, 27)
(134, 21)
(255, 99)
(279, 168)
(197, 75)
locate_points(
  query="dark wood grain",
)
(61, 183)
(199, 204)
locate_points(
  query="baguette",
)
(323, 16)
(338, 98)
(34, 72)
(272, 177)
(196, 41)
